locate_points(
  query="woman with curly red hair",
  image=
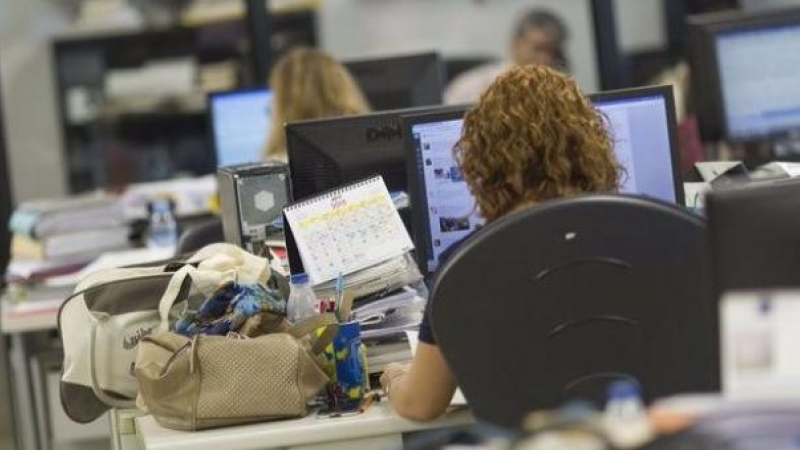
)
(532, 137)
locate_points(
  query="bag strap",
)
(180, 283)
(98, 391)
(308, 326)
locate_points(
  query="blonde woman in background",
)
(309, 84)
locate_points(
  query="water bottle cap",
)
(299, 278)
(623, 389)
(160, 205)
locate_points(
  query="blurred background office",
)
(103, 93)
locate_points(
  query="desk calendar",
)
(347, 230)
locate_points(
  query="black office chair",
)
(198, 236)
(555, 302)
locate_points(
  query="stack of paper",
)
(390, 315)
(58, 237)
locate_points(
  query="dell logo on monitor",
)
(385, 133)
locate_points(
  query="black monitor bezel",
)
(424, 60)
(667, 93)
(706, 73)
(210, 97)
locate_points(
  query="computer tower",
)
(252, 198)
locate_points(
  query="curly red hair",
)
(533, 137)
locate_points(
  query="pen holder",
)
(350, 367)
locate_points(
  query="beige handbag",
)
(214, 381)
(102, 323)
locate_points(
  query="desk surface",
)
(379, 420)
(39, 312)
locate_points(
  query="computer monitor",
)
(327, 153)
(754, 236)
(401, 81)
(745, 68)
(642, 122)
(240, 125)
(643, 126)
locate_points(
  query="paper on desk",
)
(758, 343)
(413, 341)
(791, 169)
(695, 194)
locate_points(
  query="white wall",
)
(34, 152)
(356, 28)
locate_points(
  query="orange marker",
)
(367, 402)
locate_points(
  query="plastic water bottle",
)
(162, 231)
(625, 418)
(302, 302)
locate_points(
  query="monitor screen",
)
(449, 208)
(758, 78)
(240, 125)
(641, 122)
(641, 129)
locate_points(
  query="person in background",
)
(309, 84)
(532, 137)
(539, 37)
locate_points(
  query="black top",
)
(425, 331)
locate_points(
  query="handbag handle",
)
(98, 391)
(179, 283)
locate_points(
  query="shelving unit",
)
(110, 140)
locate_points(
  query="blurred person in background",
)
(309, 84)
(539, 38)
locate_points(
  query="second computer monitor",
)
(240, 125)
(327, 153)
(401, 81)
(641, 122)
(745, 69)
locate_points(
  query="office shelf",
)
(108, 142)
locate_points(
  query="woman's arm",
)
(421, 391)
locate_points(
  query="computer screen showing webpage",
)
(639, 128)
(240, 122)
(758, 74)
(451, 211)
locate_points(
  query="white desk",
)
(379, 428)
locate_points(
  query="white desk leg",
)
(388, 442)
(24, 412)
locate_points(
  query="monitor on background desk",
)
(240, 122)
(400, 81)
(745, 68)
(641, 121)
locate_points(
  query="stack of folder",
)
(57, 237)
